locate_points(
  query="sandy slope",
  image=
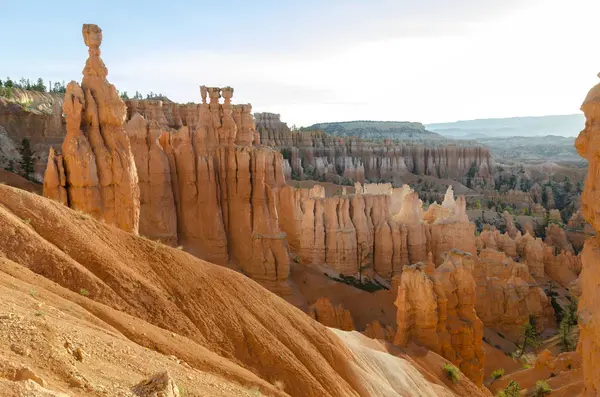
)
(64, 276)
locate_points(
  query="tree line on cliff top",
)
(8, 84)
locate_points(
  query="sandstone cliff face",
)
(438, 312)
(379, 226)
(100, 176)
(588, 146)
(507, 294)
(540, 258)
(316, 155)
(205, 187)
(33, 115)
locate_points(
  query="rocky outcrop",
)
(159, 385)
(320, 156)
(533, 251)
(273, 132)
(588, 146)
(375, 330)
(556, 237)
(507, 295)
(563, 268)
(438, 312)
(100, 176)
(209, 190)
(349, 231)
(331, 316)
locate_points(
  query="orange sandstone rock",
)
(100, 173)
(588, 146)
(438, 312)
(331, 316)
(507, 294)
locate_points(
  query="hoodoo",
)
(588, 146)
(96, 168)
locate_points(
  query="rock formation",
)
(316, 155)
(207, 189)
(100, 176)
(438, 312)
(159, 385)
(556, 237)
(588, 146)
(158, 216)
(331, 316)
(33, 115)
(342, 232)
(375, 330)
(507, 294)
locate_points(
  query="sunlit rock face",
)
(588, 146)
(438, 311)
(96, 169)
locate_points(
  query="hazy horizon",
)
(428, 62)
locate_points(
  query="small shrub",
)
(526, 365)
(84, 292)
(501, 335)
(26, 221)
(452, 372)
(542, 388)
(512, 390)
(498, 373)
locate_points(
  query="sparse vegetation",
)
(497, 373)
(530, 337)
(84, 292)
(27, 158)
(452, 372)
(565, 329)
(512, 390)
(368, 285)
(542, 388)
(364, 258)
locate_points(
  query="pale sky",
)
(315, 61)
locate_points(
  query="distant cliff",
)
(33, 115)
(403, 130)
(346, 159)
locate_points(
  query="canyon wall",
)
(387, 231)
(316, 155)
(35, 116)
(588, 146)
(204, 185)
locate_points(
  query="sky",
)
(329, 60)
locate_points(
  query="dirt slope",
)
(103, 287)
